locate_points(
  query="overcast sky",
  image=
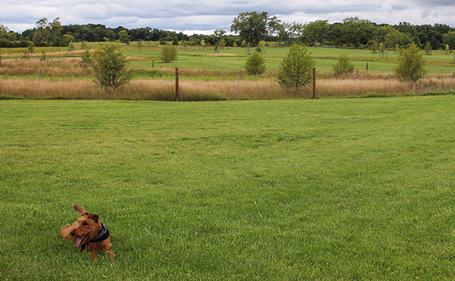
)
(204, 16)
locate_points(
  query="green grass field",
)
(251, 190)
(325, 59)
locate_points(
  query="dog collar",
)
(102, 235)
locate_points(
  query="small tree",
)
(31, 48)
(374, 47)
(87, 58)
(255, 64)
(124, 37)
(84, 45)
(43, 56)
(428, 48)
(262, 44)
(410, 64)
(168, 53)
(203, 44)
(343, 65)
(113, 66)
(382, 49)
(68, 38)
(71, 47)
(25, 55)
(175, 42)
(222, 43)
(295, 69)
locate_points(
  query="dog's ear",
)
(93, 217)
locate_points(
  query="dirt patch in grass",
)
(222, 55)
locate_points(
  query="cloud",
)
(206, 15)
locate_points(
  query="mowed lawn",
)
(238, 190)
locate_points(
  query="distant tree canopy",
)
(254, 27)
(249, 28)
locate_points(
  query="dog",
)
(88, 231)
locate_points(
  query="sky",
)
(204, 16)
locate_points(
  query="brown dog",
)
(88, 231)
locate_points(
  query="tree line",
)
(352, 31)
(250, 29)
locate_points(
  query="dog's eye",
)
(85, 223)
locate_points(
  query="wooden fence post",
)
(314, 82)
(177, 84)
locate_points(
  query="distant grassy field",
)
(206, 75)
(239, 190)
(234, 59)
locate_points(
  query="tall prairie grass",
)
(62, 67)
(67, 78)
(195, 90)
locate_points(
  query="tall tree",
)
(55, 37)
(3, 31)
(356, 31)
(391, 36)
(41, 34)
(219, 33)
(254, 27)
(285, 34)
(449, 39)
(315, 32)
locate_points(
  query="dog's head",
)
(85, 229)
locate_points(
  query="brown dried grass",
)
(195, 90)
(62, 67)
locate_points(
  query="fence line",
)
(219, 90)
(229, 89)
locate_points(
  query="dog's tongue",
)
(78, 241)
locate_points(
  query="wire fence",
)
(82, 83)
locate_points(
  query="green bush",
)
(113, 66)
(168, 53)
(296, 69)
(343, 65)
(255, 64)
(86, 57)
(410, 64)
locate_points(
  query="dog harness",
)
(102, 235)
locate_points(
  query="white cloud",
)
(207, 15)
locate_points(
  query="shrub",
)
(410, 64)
(343, 65)
(428, 48)
(87, 57)
(175, 42)
(295, 69)
(255, 64)
(168, 53)
(113, 66)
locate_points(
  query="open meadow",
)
(209, 75)
(319, 189)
